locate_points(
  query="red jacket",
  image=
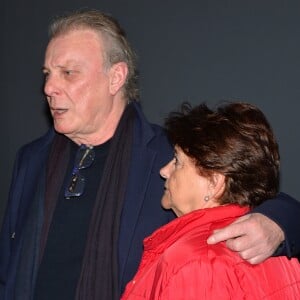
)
(177, 263)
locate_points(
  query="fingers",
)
(242, 246)
(231, 231)
(254, 237)
(253, 253)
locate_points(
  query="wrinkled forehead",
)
(79, 45)
(81, 38)
(80, 35)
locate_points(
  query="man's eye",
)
(68, 72)
(46, 76)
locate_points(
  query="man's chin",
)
(62, 130)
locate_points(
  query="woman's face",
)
(185, 188)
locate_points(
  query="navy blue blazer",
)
(141, 214)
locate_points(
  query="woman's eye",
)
(175, 161)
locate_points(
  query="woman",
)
(226, 161)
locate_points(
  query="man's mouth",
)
(58, 111)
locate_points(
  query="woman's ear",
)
(118, 75)
(217, 185)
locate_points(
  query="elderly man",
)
(85, 195)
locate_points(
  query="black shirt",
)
(61, 263)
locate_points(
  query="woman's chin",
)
(165, 202)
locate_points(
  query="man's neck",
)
(105, 131)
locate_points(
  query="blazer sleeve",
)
(6, 239)
(285, 211)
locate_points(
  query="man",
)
(85, 195)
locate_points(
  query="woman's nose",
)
(164, 171)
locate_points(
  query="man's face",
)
(76, 84)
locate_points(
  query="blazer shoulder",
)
(38, 144)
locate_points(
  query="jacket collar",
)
(201, 220)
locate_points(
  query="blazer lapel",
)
(140, 172)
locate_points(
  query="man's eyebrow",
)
(68, 64)
(45, 69)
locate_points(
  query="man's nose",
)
(51, 86)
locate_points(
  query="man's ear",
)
(217, 185)
(117, 75)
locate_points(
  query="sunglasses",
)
(84, 158)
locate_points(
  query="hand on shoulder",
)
(254, 236)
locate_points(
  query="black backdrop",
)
(201, 50)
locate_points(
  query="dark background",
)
(188, 51)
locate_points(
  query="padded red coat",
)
(177, 263)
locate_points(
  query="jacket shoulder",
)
(195, 248)
(160, 138)
(38, 143)
(193, 270)
(216, 271)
